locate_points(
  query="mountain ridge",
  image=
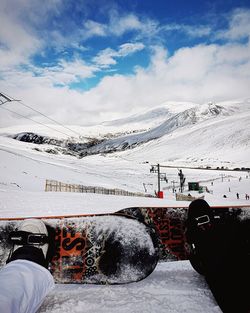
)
(212, 127)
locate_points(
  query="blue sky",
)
(101, 59)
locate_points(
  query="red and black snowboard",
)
(100, 249)
(116, 248)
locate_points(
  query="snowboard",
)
(98, 249)
(170, 226)
(119, 247)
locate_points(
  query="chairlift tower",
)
(160, 176)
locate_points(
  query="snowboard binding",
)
(19, 237)
(31, 242)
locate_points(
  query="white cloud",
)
(195, 31)
(108, 56)
(66, 72)
(130, 48)
(239, 25)
(17, 20)
(31, 12)
(92, 28)
(143, 27)
(105, 58)
(17, 43)
(118, 24)
(200, 74)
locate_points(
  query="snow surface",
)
(173, 287)
(213, 140)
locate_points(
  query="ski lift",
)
(154, 169)
(163, 177)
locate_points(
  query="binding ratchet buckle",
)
(26, 238)
(202, 220)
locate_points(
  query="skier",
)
(25, 280)
(220, 245)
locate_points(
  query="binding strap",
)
(26, 238)
(202, 220)
(206, 220)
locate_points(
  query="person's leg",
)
(229, 282)
(221, 252)
(25, 280)
(23, 286)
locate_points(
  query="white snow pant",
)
(23, 286)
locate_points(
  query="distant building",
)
(193, 186)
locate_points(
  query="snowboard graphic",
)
(100, 249)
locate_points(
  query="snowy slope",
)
(204, 136)
(221, 130)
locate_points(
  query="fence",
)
(53, 185)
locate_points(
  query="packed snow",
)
(173, 287)
(216, 137)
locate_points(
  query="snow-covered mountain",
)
(151, 118)
(172, 122)
(208, 135)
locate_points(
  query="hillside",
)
(201, 135)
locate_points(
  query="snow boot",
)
(200, 222)
(30, 242)
(219, 244)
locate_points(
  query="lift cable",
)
(8, 99)
(51, 119)
(34, 121)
